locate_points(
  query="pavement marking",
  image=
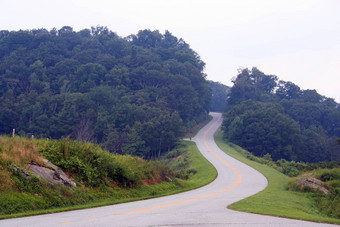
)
(192, 199)
(232, 167)
(200, 197)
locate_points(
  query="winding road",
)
(205, 206)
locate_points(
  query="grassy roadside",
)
(203, 174)
(201, 171)
(275, 200)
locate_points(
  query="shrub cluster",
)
(93, 166)
(329, 204)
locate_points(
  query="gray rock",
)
(21, 171)
(313, 183)
(53, 175)
(168, 179)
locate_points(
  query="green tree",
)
(262, 128)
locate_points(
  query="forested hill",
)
(133, 95)
(268, 115)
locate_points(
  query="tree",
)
(83, 131)
(253, 85)
(135, 144)
(147, 38)
(113, 141)
(288, 90)
(262, 128)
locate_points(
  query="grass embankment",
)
(102, 178)
(275, 200)
(189, 165)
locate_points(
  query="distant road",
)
(205, 206)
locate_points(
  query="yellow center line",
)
(239, 176)
(200, 197)
(192, 199)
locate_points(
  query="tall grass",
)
(19, 151)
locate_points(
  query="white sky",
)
(297, 40)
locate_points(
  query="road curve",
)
(205, 206)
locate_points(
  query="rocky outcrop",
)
(313, 183)
(53, 175)
(20, 171)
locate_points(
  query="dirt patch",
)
(152, 181)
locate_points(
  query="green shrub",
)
(329, 174)
(92, 165)
(329, 205)
(191, 171)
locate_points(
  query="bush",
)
(329, 205)
(329, 175)
(94, 166)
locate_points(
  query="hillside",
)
(132, 95)
(97, 174)
(97, 177)
(266, 115)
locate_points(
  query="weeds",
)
(19, 151)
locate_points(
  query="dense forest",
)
(132, 95)
(268, 115)
(219, 96)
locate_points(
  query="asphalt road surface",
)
(205, 206)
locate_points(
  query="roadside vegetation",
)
(268, 115)
(136, 95)
(282, 197)
(102, 178)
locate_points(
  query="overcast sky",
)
(297, 40)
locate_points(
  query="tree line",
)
(268, 115)
(133, 95)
